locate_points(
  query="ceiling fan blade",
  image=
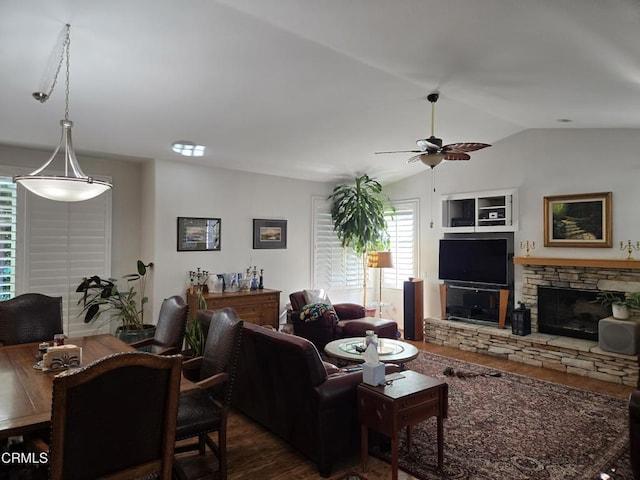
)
(414, 159)
(464, 147)
(456, 156)
(402, 151)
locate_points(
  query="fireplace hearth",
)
(570, 312)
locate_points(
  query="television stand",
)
(474, 303)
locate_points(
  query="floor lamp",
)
(380, 260)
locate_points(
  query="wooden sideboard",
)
(261, 307)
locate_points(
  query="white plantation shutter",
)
(8, 237)
(61, 243)
(333, 266)
(403, 232)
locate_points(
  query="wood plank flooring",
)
(254, 453)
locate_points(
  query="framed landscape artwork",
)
(198, 234)
(269, 233)
(581, 220)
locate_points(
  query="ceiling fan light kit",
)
(74, 185)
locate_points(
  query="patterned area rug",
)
(517, 428)
(352, 476)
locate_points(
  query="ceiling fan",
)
(432, 152)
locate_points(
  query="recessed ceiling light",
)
(188, 149)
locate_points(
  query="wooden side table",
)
(405, 402)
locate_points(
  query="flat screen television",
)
(474, 260)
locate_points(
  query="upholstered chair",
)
(170, 328)
(30, 317)
(115, 418)
(205, 410)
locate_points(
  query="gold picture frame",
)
(579, 220)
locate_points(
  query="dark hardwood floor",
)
(256, 454)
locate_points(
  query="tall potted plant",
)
(102, 295)
(358, 214)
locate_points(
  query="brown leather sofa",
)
(283, 384)
(634, 432)
(351, 322)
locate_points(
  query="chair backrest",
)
(297, 300)
(222, 348)
(116, 416)
(30, 317)
(172, 322)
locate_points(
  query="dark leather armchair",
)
(350, 322)
(116, 416)
(30, 317)
(634, 432)
(169, 334)
(324, 329)
(205, 410)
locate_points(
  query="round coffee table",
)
(389, 351)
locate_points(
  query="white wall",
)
(539, 163)
(236, 198)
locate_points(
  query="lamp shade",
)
(380, 260)
(63, 189)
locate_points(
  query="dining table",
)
(26, 391)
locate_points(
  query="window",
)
(403, 231)
(59, 244)
(8, 213)
(47, 247)
(333, 266)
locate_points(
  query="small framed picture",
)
(582, 220)
(198, 234)
(269, 233)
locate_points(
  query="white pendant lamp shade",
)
(74, 185)
(63, 189)
(67, 188)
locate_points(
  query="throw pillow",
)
(315, 311)
(316, 296)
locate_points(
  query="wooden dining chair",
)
(204, 410)
(116, 417)
(30, 317)
(170, 328)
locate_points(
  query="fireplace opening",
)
(570, 312)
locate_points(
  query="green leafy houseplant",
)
(617, 301)
(194, 335)
(358, 214)
(102, 295)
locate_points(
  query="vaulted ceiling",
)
(311, 89)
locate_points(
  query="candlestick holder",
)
(527, 246)
(198, 280)
(630, 247)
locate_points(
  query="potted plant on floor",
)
(102, 295)
(358, 214)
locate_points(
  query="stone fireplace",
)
(559, 350)
(577, 277)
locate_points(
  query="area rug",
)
(351, 476)
(503, 425)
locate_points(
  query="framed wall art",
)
(581, 220)
(269, 233)
(198, 234)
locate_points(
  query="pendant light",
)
(74, 186)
